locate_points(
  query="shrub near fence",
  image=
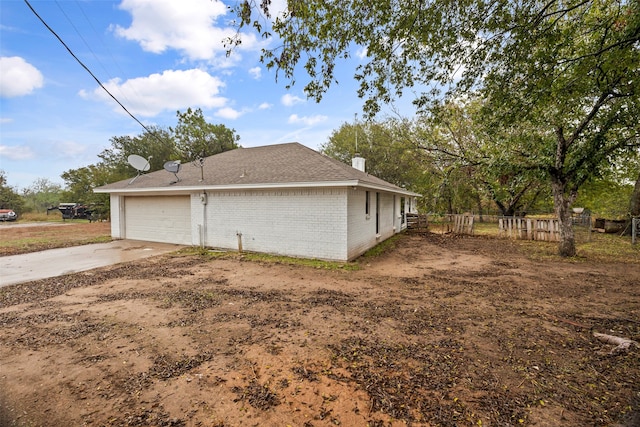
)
(547, 230)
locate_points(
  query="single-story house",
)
(283, 199)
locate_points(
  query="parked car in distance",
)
(73, 211)
(8, 215)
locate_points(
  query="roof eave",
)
(256, 186)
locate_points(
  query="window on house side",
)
(366, 203)
(377, 213)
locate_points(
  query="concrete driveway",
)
(56, 262)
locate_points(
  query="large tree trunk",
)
(634, 205)
(563, 197)
(562, 205)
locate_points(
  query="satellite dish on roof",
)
(140, 164)
(173, 166)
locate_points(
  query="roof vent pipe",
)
(358, 162)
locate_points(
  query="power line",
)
(106, 47)
(89, 71)
(86, 43)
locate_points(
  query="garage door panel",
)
(158, 219)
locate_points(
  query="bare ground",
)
(439, 331)
(20, 238)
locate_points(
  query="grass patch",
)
(35, 244)
(270, 259)
(485, 229)
(590, 246)
(53, 216)
(383, 247)
(602, 248)
(17, 240)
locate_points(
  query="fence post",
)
(635, 230)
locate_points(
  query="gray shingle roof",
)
(267, 166)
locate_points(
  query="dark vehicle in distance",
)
(73, 211)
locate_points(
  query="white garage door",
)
(158, 219)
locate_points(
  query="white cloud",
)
(264, 106)
(186, 26)
(289, 100)
(170, 91)
(256, 72)
(5, 120)
(307, 120)
(362, 53)
(68, 149)
(19, 152)
(18, 77)
(229, 113)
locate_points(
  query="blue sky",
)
(156, 57)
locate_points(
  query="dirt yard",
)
(439, 331)
(29, 237)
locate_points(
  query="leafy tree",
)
(388, 154)
(192, 137)
(567, 70)
(387, 157)
(41, 194)
(79, 185)
(9, 197)
(606, 198)
(195, 138)
(459, 141)
(612, 194)
(158, 146)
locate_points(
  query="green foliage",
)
(192, 137)
(41, 194)
(388, 155)
(559, 79)
(80, 184)
(9, 197)
(384, 247)
(195, 138)
(605, 199)
(270, 259)
(158, 146)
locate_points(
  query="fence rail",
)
(547, 230)
(540, 229)
(463, 224)
(417, 222)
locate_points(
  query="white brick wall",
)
(306, 222)
(362, 228)
(313, 223)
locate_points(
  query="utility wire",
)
(84, 40)
(104, 45)
(89, 71)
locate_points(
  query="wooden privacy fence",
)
(457, 224)
(417, 222)
(463, 224)
(530, 229)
